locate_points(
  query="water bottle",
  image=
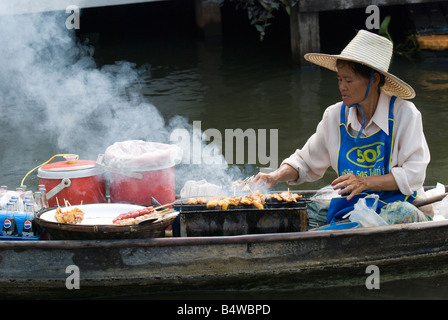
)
(37, 201)
(15, 201)
(9, 225)
(28, 199)
(43, 192)
(19, 191)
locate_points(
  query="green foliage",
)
(261, 12)
(407, 48)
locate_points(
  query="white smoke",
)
(55, 87)
(43, 64)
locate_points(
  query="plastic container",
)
(154, 162)
(81, 181)
(340, 226)
(159, 184)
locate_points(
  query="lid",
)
(64, 169)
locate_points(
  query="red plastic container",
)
(159, 184)
(153, 161)
(87, 182)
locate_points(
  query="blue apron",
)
(366, 156)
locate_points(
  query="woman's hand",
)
(351, 183)
(266, 181)
(354, 184)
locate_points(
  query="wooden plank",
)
(29, 6)
(420, 17)
(208, 17)
(304, 34)
(326, 5)
(436, 16)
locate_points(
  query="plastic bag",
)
(365, 215)
(139, 155)
(441, 209)
(317, 209)
(200, 188)
(325, 195)
(402, 212)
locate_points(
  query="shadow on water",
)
(415, 289)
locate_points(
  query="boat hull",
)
(288, 261)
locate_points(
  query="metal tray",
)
(66, 231)
(242, 221)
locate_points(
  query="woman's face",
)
(351, 85)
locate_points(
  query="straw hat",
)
(371, 50)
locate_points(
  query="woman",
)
(373, 139)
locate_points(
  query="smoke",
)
(54, 86)
(85, 107)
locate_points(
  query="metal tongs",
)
(248, 180)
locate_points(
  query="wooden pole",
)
(304, 34)
(208, 18)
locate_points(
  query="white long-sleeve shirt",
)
(410, 155)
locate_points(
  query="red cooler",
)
(154, 164)
(77, 182)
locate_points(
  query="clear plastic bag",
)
(139, 155)
(317, 209)
(441, 209)
(200, 188)
(365, 215)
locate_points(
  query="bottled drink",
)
(3, 196)
(37, 201)
(28, 199)
(9, 225)
(15, 201)
(29, 228)
(43, 192)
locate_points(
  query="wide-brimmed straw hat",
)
(372, 50)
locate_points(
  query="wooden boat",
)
(250, 263)
(281, 261)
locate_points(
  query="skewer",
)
(163, 212)
(167, 204)
(248, 179)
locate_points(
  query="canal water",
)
(60, 96)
